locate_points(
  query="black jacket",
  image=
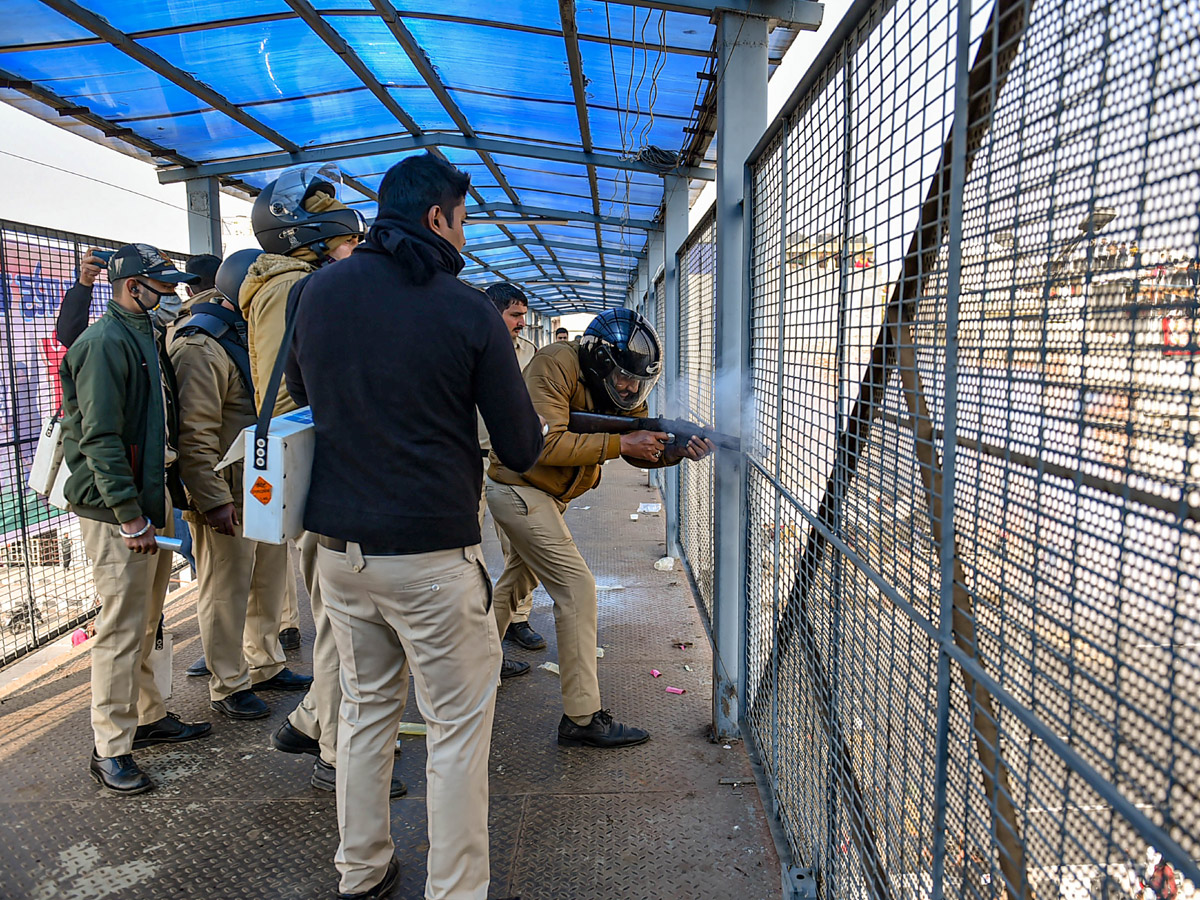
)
(394, 353)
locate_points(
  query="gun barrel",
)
(596, 423)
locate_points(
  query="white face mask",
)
(168, 309)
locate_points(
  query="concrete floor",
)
(233, 818)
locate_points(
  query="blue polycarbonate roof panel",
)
(102, 78)
(528, 13)
(204, 133)
(133, 17)
(329, 119)
(517, 63)
(266, 60)
(645, 26)
(30, 22)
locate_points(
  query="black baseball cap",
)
(142, 259)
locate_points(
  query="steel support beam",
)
(608, 249)
(481, 212)
(204, 216)
(426, 141)
(801, 14)
(619, 274)
(741, 118)
(675, 225)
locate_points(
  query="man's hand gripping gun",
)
(680, 430)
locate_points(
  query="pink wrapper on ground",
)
(676, 691)
(655, 672)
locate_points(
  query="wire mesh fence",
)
(697, 299)
(972, 610)
(45, 579)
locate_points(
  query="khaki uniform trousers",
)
(132, 587)
(524, 603)
(242, 586)
(430, 611)
(543, 550)
(289, 616)
(317, 714)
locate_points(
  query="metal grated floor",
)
(232, 818)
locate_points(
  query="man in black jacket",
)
(396, 476)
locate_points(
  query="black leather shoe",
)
(289, 739)
(120, 774)
(523, 634)
(289, 639)
(242, 705)
(602, 731)
(168, 730)
(198, 668)
(285, 680)
(511, 668)
(383, 889)
(324, 778)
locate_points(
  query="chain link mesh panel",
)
(697, 300)
(973, 508)
(45, 578)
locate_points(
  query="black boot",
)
(511, 668)
(324, 778)
(242, 705)
(522, 633)
(381, 890)
(290, 739)
(119, 774)
(289, 639)
(602, 731)
(198, 668)
(168, 730)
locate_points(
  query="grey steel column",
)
(204, 216)
(675, 234)
(741, 119)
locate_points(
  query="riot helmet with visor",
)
(301, 208)
(621, 359)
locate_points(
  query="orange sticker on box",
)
(261, 491)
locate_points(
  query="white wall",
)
(56, 179)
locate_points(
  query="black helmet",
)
(283, 224)
(232, 272)
(621, 358)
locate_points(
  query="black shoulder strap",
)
(225, 335)
(272, 392)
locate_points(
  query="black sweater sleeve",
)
(504, 403)
(73, 314)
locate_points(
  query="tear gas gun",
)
(680, 430)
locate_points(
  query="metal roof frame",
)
(544, 184)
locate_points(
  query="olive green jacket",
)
(115, 426)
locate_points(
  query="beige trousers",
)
(524, 603)
(289, 616)
(132, 587)
(242, 586)
(429, 610)
(543, 550)
(317, 714)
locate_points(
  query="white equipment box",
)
(273, 497)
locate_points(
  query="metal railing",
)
(973, 555)
(697, 300)
(45, 580)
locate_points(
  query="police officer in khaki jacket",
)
(512, 304)
(610, 369)
(119, 436)
(216, 403)
(302, 226)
